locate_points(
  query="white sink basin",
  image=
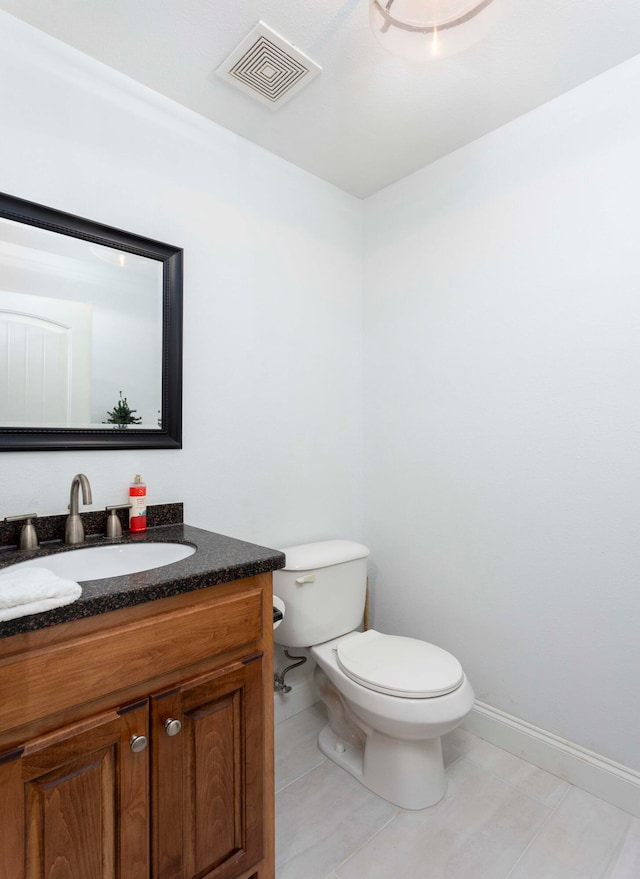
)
(115, 560)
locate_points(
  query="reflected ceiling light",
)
(121, 258)
(424, 29)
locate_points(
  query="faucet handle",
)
(28, 534)
(114, 525)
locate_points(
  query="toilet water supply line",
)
(279, 685)
(278, 679)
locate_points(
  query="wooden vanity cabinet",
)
(208, 777)
(168, 774)
(74, 803)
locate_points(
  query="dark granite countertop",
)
(218, 559)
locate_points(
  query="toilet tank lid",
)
(307, 556)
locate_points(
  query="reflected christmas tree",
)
(122, 415)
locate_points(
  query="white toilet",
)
(389, 698)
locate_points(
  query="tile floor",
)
(501, 817)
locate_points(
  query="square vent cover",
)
(267, 67)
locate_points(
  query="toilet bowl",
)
(389, 698)
(399, 756)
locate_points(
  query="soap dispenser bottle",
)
(138, 502)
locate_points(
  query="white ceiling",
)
(369, 118)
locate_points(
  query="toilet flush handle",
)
(308, 578)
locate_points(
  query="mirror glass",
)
(90, 334)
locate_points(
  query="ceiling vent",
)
(267, 67)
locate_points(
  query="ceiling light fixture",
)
(424, 29)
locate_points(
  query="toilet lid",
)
(399, 666)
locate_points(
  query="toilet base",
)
(409, 774)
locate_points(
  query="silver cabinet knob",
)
(172, 726)
(138, 743)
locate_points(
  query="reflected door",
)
(45, 351)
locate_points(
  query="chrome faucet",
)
(74, 529)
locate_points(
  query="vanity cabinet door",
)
(75, 802)
(208, 775)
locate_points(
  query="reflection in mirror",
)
(80, 324)
(90, 334)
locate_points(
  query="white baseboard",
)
(303, 695)
(610, 781)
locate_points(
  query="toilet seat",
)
(399, 666)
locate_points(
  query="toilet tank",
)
(323, 586)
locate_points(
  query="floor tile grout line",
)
(514, 786)
(448, 767)
(366, 842)
(386, 824)
(616, 853)
(539, 831)
(468, 755)
(302, 775)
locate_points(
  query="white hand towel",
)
(33, 590)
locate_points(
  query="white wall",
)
(502, 412)
(273, 298)
(501, 327)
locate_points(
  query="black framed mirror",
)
(90, 334)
